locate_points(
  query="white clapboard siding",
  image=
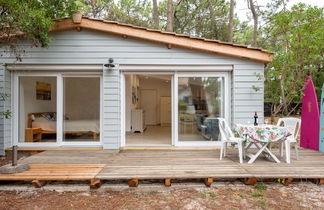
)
(5, 124)
(93, 48)
(246, 99)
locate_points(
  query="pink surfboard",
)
(309, 134)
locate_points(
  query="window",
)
(200, 103)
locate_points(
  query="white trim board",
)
(54, 67)
(175, 67)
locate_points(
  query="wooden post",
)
(133, 183)
(167, 182)
(95, 183)
(288, 181)
(318, 181)
(38, 183)
(250, 181)
(208, 181)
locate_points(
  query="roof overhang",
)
(170, 39)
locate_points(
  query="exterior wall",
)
(5, 124)
(90, 47)
(246, 100)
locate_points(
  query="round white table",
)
(262, 136)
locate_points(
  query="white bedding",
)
(68, 125)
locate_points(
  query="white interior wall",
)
(162, 89)
(82, 98)
(131, 84)
(28, 102)
(128, 102)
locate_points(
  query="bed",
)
(36, 120)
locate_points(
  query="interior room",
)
(148, 109)
(38, 118)
(200, 103)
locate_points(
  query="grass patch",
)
(212, 195)
(242, 194)
(260, 186)
(256, 194)
(203, 195)
(262, 204)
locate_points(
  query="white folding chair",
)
(227, 136)
(293, 126)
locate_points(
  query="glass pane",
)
(200, 103)
(37, 109)
(81, 119)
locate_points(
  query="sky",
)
(241, 8)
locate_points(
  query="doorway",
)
(148, 115)
(149, 104)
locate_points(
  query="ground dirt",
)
(4, 161)
(305, 195)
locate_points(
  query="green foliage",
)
(256, 194)
(297, 38)
(201, 18)
(30, 19)
(260, 186)
(6, 114)
(135, 12)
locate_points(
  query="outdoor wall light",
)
(110, 63)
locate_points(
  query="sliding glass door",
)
(201, 100)
(56, 109)
(37, 109)
(81, 110)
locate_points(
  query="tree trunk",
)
(155, 15)
(169, 16)
(255, 20)
(213, 21)
(230, 22)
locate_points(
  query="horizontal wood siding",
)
(247, 100)
(5, 124)
(111, 109)
(91, 47)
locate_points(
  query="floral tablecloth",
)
(262, 133)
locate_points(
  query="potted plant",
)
(77, 12)
(77, 17)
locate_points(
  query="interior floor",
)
(153, 135)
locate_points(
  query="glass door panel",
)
(200, 103)
(37, 109)
(81, 109)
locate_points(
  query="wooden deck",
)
(134, 165)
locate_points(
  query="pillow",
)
(49, 116)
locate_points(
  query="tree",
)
(298, 38)
(203, 18)
(30, 20)
(170, 16)
(96, 8)
(135, 12)
(155, 15)
(252, 7)
(230, 22)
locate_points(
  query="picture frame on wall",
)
(43, 91)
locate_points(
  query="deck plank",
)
(163, 164)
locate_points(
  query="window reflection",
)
(200, 103)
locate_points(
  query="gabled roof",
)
(168, 38)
